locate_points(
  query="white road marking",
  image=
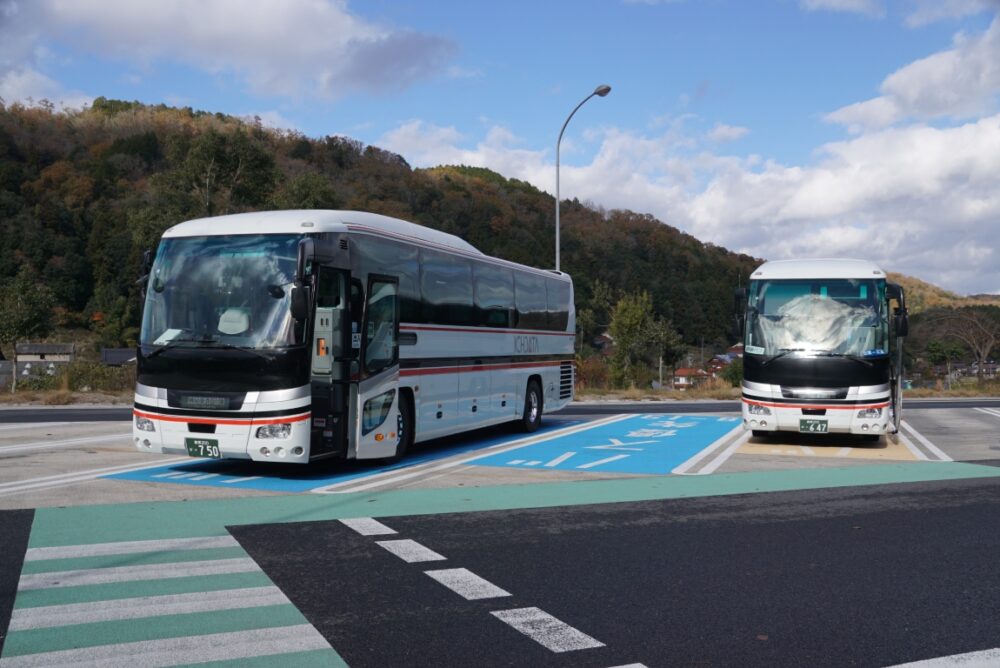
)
(186, 474)
(128, 547)
(690, 463)
(843, 452)
(406, 474)
(809, 451)
(65, 479)
(987, 658)
(533, 462)
(560, 459)
(989, 411)
(933, 449)
(146, 606)
(917, 452)
(410, 551)
(168, 474)
(239, 480)
(88, 576)
(366, 526)
(515, 462)
(631, 665)
(37, 425)
(606, 460)
(206, 476)
(725, 454)
(467, 584)
(546, 630)
(64, 443)
(270, 642)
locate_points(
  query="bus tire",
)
(531, 417)
(404, 427)
(760, 433)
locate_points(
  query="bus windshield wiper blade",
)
(782, 353)
(173, 343)
(856, 358)
(215, 343)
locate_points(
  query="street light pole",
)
(600, 91)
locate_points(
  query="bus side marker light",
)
(379, 437)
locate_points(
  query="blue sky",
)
(783, 128)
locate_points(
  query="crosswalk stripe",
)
(128, 547)
(130, 573)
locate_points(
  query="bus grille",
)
(566, 380)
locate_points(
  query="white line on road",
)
(725, 454)
(987, 658)
(36, 425)
(410, 551)
(65, 443)
(606, 460)
(17, 486)
(989, 411)
(239, 480)
(917, 452)
(809, 451)
(270, 642)
(933, 449)
(87, 576)
(560, 459)
(407, 473)
(467, 584)
(843, 452)
(546, 630)
(533, 462)
(128, 547)
(366, 526)
(689, 464)
(515, 462)
(146, 606)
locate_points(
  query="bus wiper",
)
(215, 343)
(173, 343)
(782, 353)
(856, 358)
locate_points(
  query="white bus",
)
(292, 336)
(822, 348)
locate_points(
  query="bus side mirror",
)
(901, 323)
(739, 309)
(307, 251)
(300, 302)
(147, 261)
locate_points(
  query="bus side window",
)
(494, 292)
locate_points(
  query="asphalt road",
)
(864, 576)
(124, 413)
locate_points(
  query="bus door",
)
(377, 428)
(330, 362)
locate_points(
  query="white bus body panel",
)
(841, 415)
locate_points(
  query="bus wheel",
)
(761, 433)
(404, 427)
(531, 419)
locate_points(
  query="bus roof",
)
(818, 268)
(297, 222)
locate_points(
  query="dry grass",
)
(63, 398)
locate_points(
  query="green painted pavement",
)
(320, 658)
(152, 521)
(150, 628)
(135, 559)
(33, 598)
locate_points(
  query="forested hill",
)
(83, 193)
(922, 296)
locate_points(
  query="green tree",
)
(666, 344)
(978, 327)
(25, 308)
(630, 322)
(733, 373)
(308, 191)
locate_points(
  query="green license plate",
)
(203, 447)
(811, 426)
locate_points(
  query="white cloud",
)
(867, 7)
(24, 84)
(930, 11)
(723, 133)
(920, 200)
(306, 49)
(961, 82)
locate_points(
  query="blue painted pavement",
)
(650, 443)
(241, 474)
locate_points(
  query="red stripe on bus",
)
(817, 406)
(246, 421)
(430, 371)
(537, 332)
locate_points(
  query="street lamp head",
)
(602, 90)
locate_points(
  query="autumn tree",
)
(978, 327)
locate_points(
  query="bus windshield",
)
(841, 317)
(229, 291)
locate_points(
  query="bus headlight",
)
(144, 424)
(375, 411)
(757, 409)
(283, 430)
(870, 413)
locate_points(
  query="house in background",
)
(689, 377)
(42, 359)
